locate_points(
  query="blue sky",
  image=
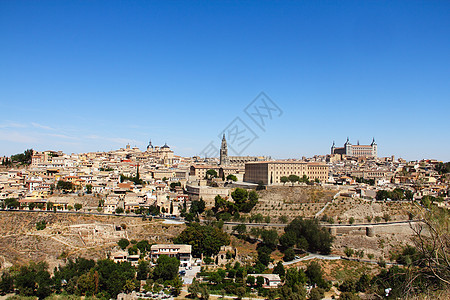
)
(83, 76)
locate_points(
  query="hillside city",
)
(242, 226)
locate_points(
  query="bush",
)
(316, 294)
(41, 225)
(349, 251)
(123, 243)
(289, 254)
(310, 234)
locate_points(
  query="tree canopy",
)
(301, 230)
(205, 239)
(166, 267)
(211, 174)
(23, 158)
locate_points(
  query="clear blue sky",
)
(83, 76)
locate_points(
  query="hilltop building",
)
(270, 172)
(356, 150)
(163, 153)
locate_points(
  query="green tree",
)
(252, 201)
(166, 268)
(289, 239)
(218, 276)
(77, 206)
(239, 196)
(284, 179)
(173, 185)
(22, 158)
(316, 294)
(269, 238)
(382, 195)
(123, 243)
(211, 174)
(279, 269)
(304, 179)
(232, 177)
(6, 283)
(143, 246)
(315, 275)
(89, 188)
(317, 238)
(289, 254)
(142, 270)
(240, 292)
(349, 251)
(177, 285)
(11, 203)
(204, 239)
(194, 289)
(197, 207)
(41, 225)
(114, 278)
(33, 280)
(65, 185)
(241, 229)
(86, 284)
(293, 179)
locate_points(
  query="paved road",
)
(190, 274)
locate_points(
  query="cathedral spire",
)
(224, 152)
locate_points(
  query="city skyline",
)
(83, 77)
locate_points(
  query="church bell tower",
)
(224, 152)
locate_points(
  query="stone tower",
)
(374, 148)
(224, 152)
(348, 148)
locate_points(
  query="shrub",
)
(123, 243)
(289, 254)
(349, 251)
(41, 225)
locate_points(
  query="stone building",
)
(163, 153)
(270, 172)
(356, 150)
(182, 252)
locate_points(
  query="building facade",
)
(356, 150)
(182, 252)
(270, 172)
